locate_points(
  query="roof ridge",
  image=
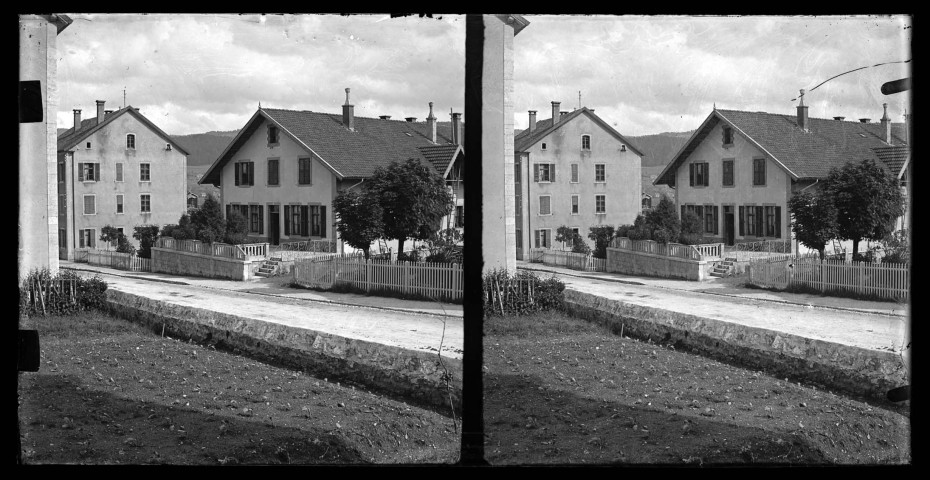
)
(401, 120)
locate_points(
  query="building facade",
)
(116, 169)
(573, 170)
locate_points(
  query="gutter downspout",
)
(353, 186)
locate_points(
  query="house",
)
(284, 167)
(898, 160)
(37, 233)
(116, 169)
(739, 169)
(573, 170)
(193, 202)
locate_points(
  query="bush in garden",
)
(146, 235)
(602, 235)
(509, 294)
(58, 299)
(692, 230)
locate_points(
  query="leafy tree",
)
(445, 246)
(867, 199)
(692, 229)
(146, 235)
(413, 199)
(184, 230)
(640, 230)
(601, 235)
(663, 221)
(360, 218)
(110, 234)
(208, 222)
(237, 229)
(580, 246)
(897, 248)
(623, 230)
(814, 219)
(565, 235)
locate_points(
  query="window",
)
(295, 220)
(272, 135)
(168, 147)
(131, 141)
(119, 172)
(728, 173)
(576, 231)
(758, 171)
(543, 239)
(600, 175)
(90, 204)
(62, 173)
(62, 204)
(115, 242)
(727, 136)
(586, 142)
(543, 146)
(600, 204)
(699, 174)
(146, 203)
(647, 204)
(88, 172)
(318, 220)
(88, 145)
(273, 172)
(119, 204)
(760, 221)
(304, 220)
(145, 172)
(544, 172)
(244, 173)
(750, 220)
(545, 208)
(711, 219)
(87, 238)
(304, 171)
(460, 216)
(574, 204)
(574, 173)
(256, 219)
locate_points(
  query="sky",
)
(199, 73)
(646, 75)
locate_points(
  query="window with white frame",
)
(586, 142)
(600, 173)
(575, 199)
(600, 204)
(90, 204)
(119, 204)
(145, 201)
(145, 172)
(244, 173)
(545, 207)
(88, 172)
(574, 168)
(119, 172)
(131, 141)
(544, 172)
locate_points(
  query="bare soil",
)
(562, 390)
(110, 392)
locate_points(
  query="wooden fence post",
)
(367, 276)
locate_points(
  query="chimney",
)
(839, 118)
(532, 126)
(100, 110)
(384, 117)
(348, 114)
(555, 112)
(107, 112)
(410, 119)
(802, 114)
(886, 122)
(864, 120)
(77, 119)
(562, 114)
(456, 128)
(431, 123)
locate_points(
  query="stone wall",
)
(647, 264)
(833, 365)
(175, 262)
(411, 375)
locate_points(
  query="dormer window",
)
(727, 136)
(586, 142)
(131, 141)
(272, 135)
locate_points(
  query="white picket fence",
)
(122, 261)
(432, 280)
(886, 280)
(575, 261)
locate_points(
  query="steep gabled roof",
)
(896, 158)
(89, 126)
(349, 154)
(441, 156)
(525, 139)
(802, 154)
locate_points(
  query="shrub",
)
(663, 223)
(146, 235)
(623, 231)
(521, 293)
(602, 235)
(640, 230)
(88, 293)
(237, 228)
(692, 230)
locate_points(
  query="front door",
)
(728, 221)
(273, 227)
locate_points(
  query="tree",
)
(640, 230)
(813, 219)
(413, 199)
(692, 229)
(663, 221)
(601, 235)
(445, 246)
(359, 218)
(146, 235)
(565, 235)
(580, 246)
(867, 199)
(110, 235)
(897, 248)
(208, 222)
(237, 229)
(184, 230)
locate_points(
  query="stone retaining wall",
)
(650, 265)
(835, 366)
(409, 374)
(176, 262)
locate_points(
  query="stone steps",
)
(269, 268)
(724, 268)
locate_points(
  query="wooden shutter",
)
(716, 220)
(552, 173)
(760, 221)
(323, 221)
(80, 172)
(261, 219)
(706, 174)
(777, 222)
(287, 219)
(97, 172)
(691, 174)
(536, 239)
(742, 219)
(304, 220)
(238, 170)
(535, 172)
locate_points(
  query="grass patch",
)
(802, 288)
(88, 323)
(538, 324)
(375, 292)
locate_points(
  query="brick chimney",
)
(457, 128)
(348, 114)
(77, 119)
(886, 122)
(100, 111)
(555, 112)
(431, 123)
(802, 114)
(532, 126)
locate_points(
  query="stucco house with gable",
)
(284, 167)
(116, 169)
(572, 170)
(739, 169)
